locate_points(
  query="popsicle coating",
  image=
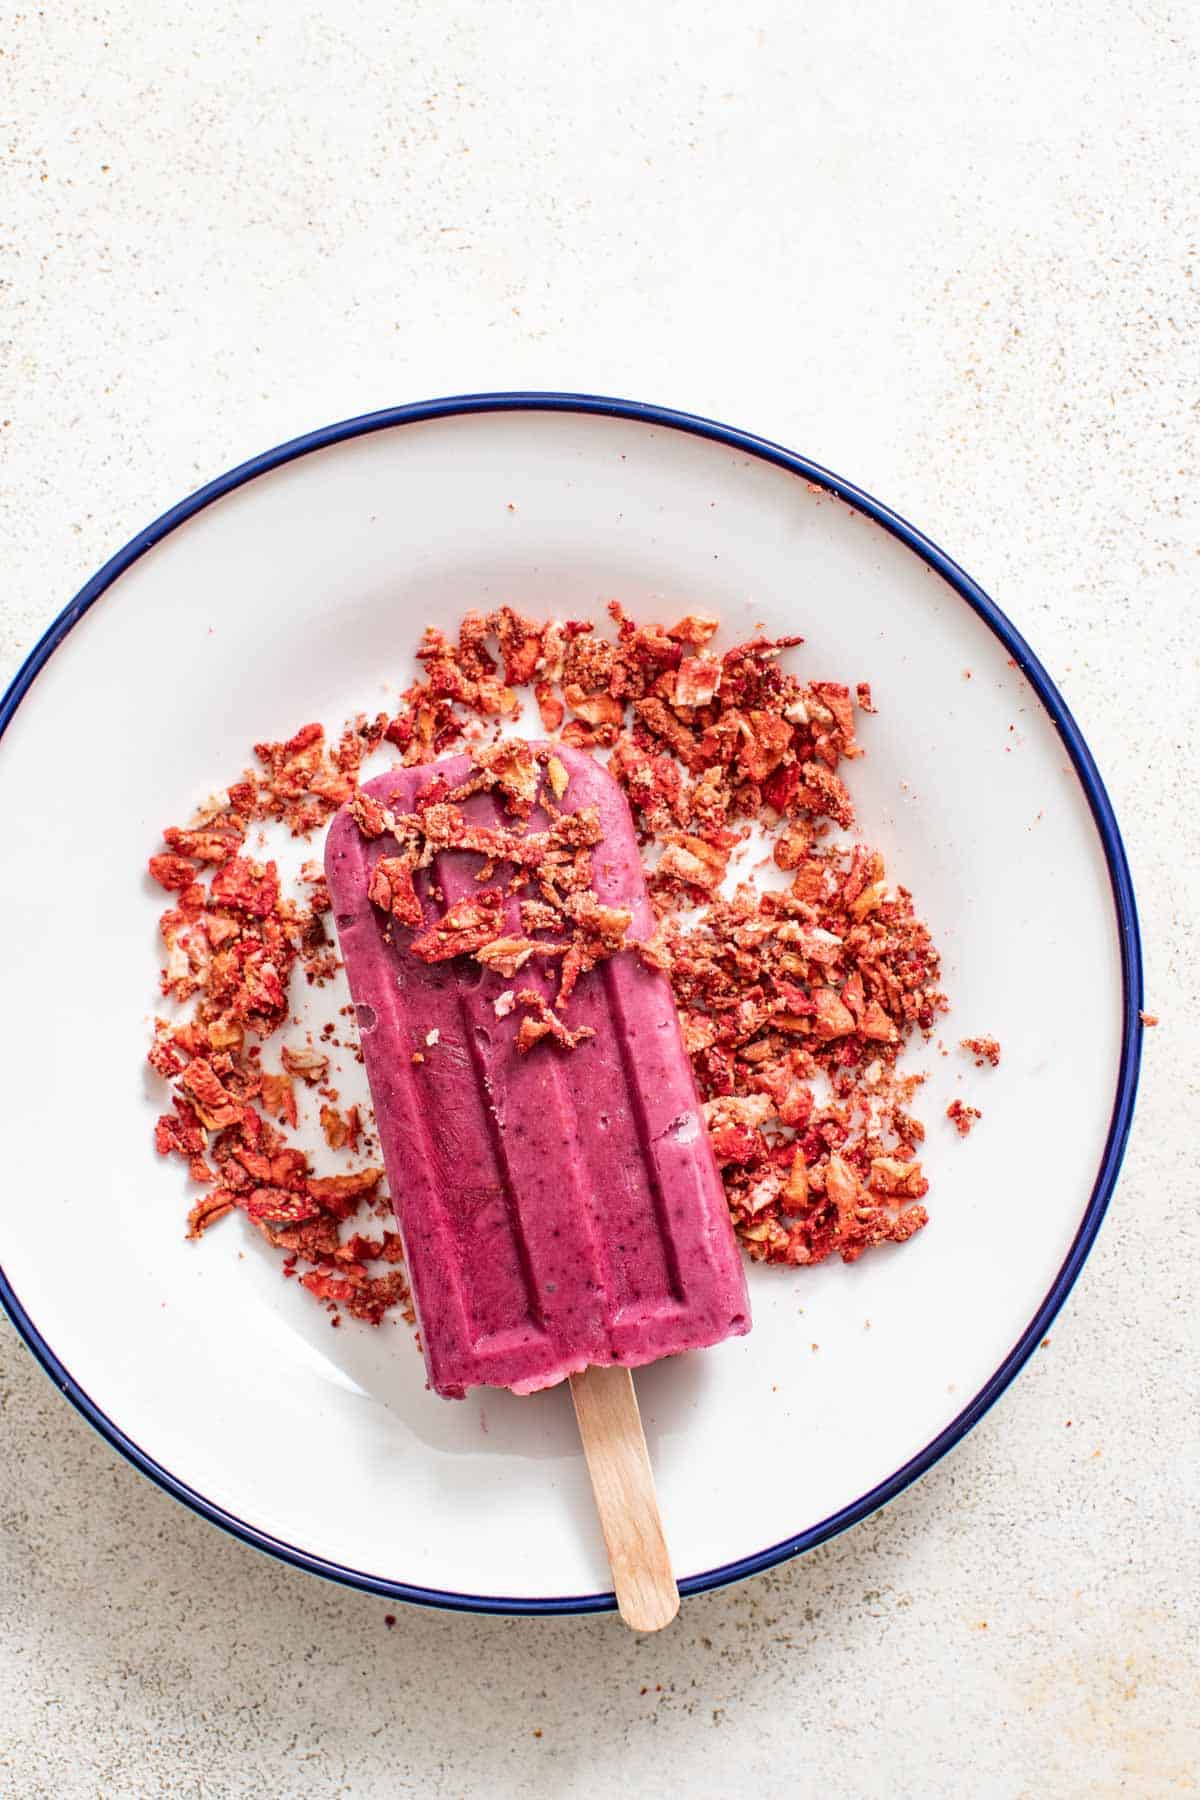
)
(558, 1208)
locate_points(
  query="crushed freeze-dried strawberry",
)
(694, 628)
(341, 1129)
(463, 928)
(963, 1117)
(214, 842)
(207, 1210)
(180, 1132)
(340, 1194)
(246, 887)
(213, 1103)
(794, 1005)
(391, 890)
(541, 1022)
(172, 872)
(520, 643)
(278, 1097)
(512, 769)
(697, 680)
(983, 1049)
(278, 1206)
(387, 1248)
(506, 955)
(310, 1065)
(368, 815)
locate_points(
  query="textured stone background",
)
(948, 250)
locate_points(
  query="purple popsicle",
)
(559, 1209)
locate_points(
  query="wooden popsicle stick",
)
(623, 1484)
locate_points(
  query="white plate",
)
(293, 589)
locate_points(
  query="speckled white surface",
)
(948, 251)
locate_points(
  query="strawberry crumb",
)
(983, 1049)
(963, 1118)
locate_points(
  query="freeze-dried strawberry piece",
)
(515, 772)
(541, 1022)
(324, 1286)
(574, 831)
(376, 1295)
(391, 889)
(520, 644)
(361, 736)
(246, 887)
(656, 720)
(766, 741)
(367, 814)
(579, 736)
(208, 1209)
(315, 1240)
(340, 1194)
(540, 915)
(697, 680)
(305, 1062)
(736, 1144)
(964, 1118)
(836, 699)
(214, 1105)
(824, 793)
(551, 709)
(180, 1133)
(341, 1129)
(467, 926)
(832, 1017)
(445, 828)
(172, 872)
(168, 1054)
(593, 709)
(693, 861)
(506, 955)
(793, 1196)
(215, 842)
(279, 1098)
(644, 652)
(876, 1025)
(360, 1249)
(278, 1206)
(891, 1176)
(597, 933)
(588, 661)
(781, 789)
(693, 628)
(511, 768)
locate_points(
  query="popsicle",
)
(552, 1178)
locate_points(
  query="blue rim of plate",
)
(1123, 898)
